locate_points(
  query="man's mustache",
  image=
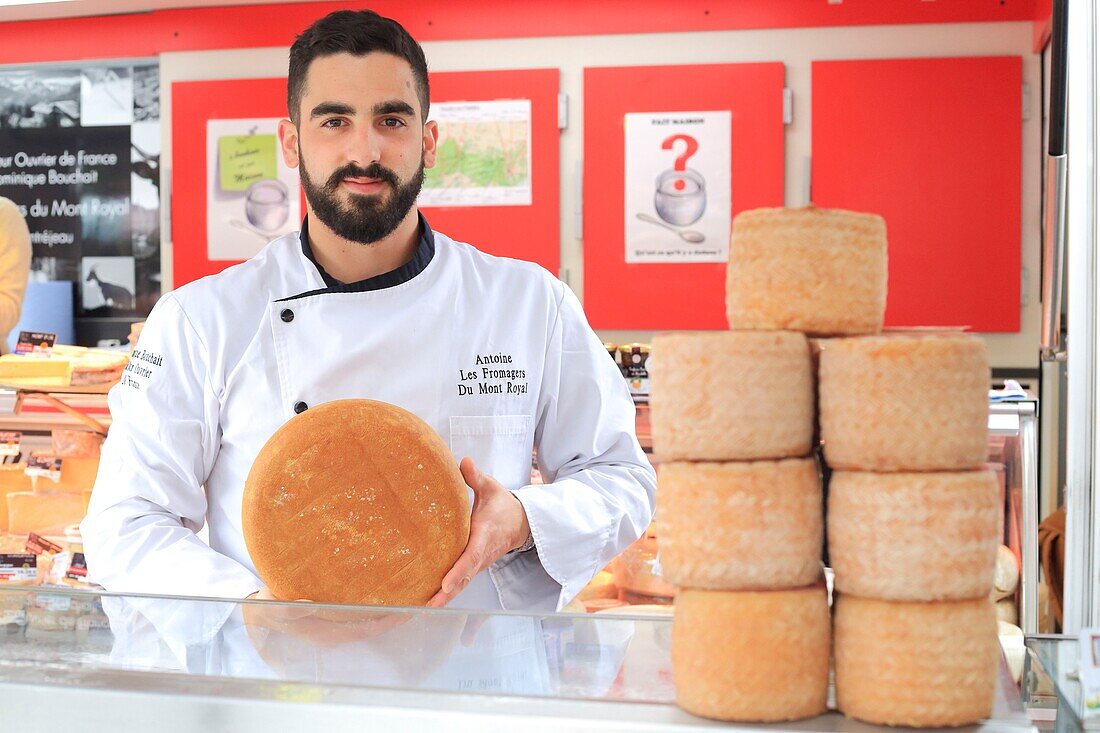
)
(351, 170)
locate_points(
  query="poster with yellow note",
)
(252, 196)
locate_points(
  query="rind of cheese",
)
(751, 656)
(923, 665)
(913, 536)
(736, 526)
(819, 271)
(904, 402)
(730, 396)
(43, 513)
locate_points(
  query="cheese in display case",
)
(741, 525)
(922, 665)
(66, 366)
(818, 271)
(752, 656)
(731, 396)
(904, 402)
(913, 536)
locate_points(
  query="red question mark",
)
(692, 145)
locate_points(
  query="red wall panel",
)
(524, 232)
(934, 146)
(255, 26)
(618, 295)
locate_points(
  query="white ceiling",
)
(75, 8)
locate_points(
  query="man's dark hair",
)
(357, 32)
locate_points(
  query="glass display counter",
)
(1050, 672)
(78, 660)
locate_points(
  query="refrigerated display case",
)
(106, 661)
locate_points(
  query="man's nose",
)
(366, 147)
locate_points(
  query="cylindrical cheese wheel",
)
(355, 501)
(751, 656)
(904, 402)
(1007, 611)
(739, 526)
(820, 271)
(923, 665)
(1006, 575)
(730, 396)
(913, 536)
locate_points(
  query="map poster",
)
(483, 156)
(677, 187)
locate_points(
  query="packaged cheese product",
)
(601, 586)
(904, 402)
(751, 656)
(924, 665)
(65, 366)
(45, 513)
(730, 396)
(820, 271)
(12, 479)
(638, 574)
(913, 536)
(77, 474)
(736, 526)
(31, 368)
(76, 443)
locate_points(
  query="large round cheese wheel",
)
(912, 402)
(751, 656)
(820, 271)
(738, 526)
(355, 501)
(1006, 575)
(730, 396)
(913, 536)
(923, 665)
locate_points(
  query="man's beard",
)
(363, 219)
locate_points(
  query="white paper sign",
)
(1088, 673)
(252, 197)
(677, 187)
(483, 156)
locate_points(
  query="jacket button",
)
(287, 315)
(300, 407)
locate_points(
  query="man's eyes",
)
(393, 122)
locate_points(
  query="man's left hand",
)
(498, 525)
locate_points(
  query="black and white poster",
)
(80, 156)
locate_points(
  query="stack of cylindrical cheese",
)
(912, 526)
(740, 512)
(903, 419)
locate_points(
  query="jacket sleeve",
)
(15, 266)
(148, 502)
(601, 488)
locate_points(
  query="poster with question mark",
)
(677, 188)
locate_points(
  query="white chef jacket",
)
(495, 354)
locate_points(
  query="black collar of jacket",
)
(425, 251)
